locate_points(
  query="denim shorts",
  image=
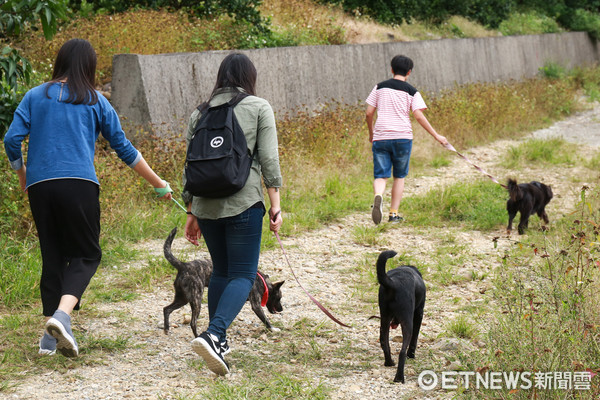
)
(391, 153)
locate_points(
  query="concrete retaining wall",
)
(159, 92)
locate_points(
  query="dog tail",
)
(513, 190)
(382, 276)
(167, 249)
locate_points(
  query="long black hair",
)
(236, 71)
(76, 63)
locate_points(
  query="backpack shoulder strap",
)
(237, 98)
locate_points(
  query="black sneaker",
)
(395, 218)
(377, 212)
(208, 347)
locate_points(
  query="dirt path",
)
(156, 366)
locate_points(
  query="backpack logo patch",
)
(217, 142)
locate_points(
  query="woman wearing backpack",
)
(63, 118)
(232, 225)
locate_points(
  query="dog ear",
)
(278, 284)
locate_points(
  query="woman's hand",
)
(192, 230)
(275, 220)
(164, 192)
(22, 180)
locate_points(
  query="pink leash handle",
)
(321, 307)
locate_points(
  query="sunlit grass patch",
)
(480, 204)
(553, 151)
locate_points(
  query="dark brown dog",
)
(528, 199)
(193, 276)
(401, 302)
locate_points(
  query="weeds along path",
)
(310, 350)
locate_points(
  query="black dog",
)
(192, 277)
(527, 198)
(401, 302)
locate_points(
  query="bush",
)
(531, 23)
(487, 12)
(583, 20)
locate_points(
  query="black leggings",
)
(67, 216)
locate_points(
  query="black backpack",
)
(218, 160)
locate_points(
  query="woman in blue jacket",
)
(63, 119)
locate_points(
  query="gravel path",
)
(157, 366)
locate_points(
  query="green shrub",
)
(487, 12)
(531, 23)
(552, 70)
(584, 20)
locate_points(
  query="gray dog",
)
(193, 276)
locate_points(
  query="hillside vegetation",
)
(290, 23)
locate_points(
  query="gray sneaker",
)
(377, 212)
(47, 345)
(59, 326)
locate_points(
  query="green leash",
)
(160, 192)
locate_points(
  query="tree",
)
(15, 15)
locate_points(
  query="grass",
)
(462, 327)
(554, 151)
(547, 290)
(478, 205)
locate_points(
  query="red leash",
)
(451, 148)
(326, 311)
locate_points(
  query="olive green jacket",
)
(257, 120)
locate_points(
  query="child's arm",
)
(422, 120)
(369, 117)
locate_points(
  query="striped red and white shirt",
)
(394, 100)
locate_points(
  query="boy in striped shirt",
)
(392, 135)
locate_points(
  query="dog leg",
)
(407, 330)
(415, 333)
(512, 213)
(258, 310)
(523, 223)
(384, 341)
(195, 306)
(177, 303)
(542, 214)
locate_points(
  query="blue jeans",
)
(234, 247)
(388, 153)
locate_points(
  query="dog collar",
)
(265, 297)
